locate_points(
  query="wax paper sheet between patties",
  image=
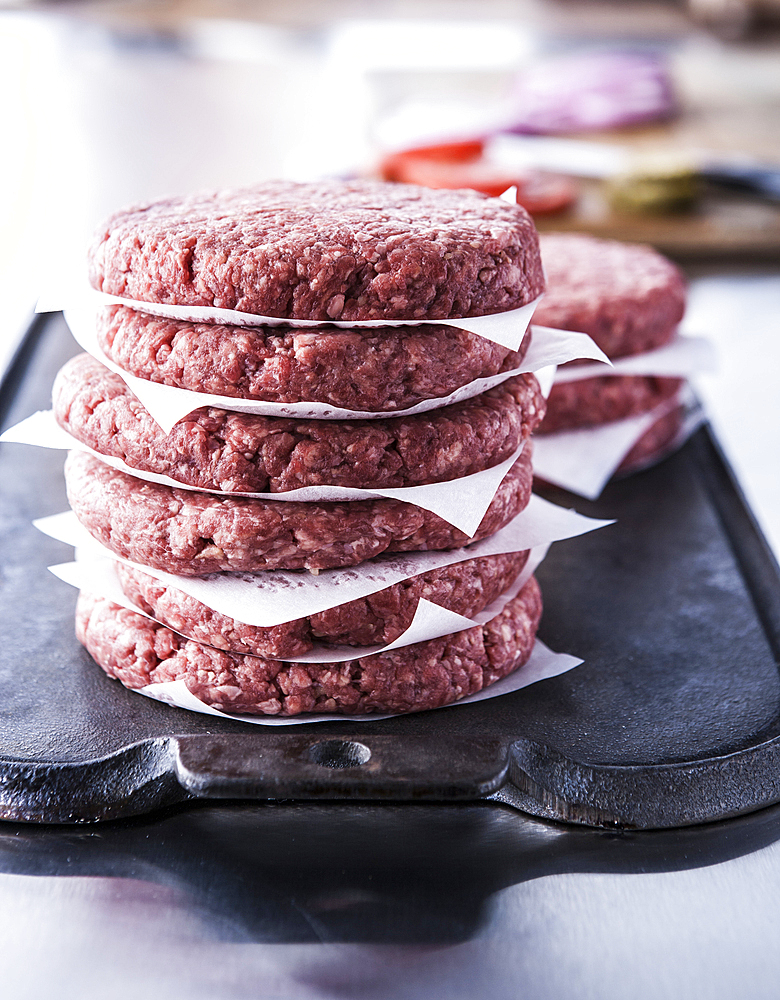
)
(379, 618)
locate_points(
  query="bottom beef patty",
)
(590, 402)
(138, 652)
(192, 534)
(465, 587)
(655, 443)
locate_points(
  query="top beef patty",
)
(330, 250)
(627, 297)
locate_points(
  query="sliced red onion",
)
(592, 90)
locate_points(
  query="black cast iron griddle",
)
(673, 719)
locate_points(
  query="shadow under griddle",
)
(380, 874)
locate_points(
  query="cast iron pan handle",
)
(547, 784)
(289, 766)
(530, 777)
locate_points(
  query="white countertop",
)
(741, 314)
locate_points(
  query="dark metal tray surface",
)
(673, 719)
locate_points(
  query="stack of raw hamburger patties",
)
(327, 252)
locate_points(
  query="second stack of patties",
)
(630, 299)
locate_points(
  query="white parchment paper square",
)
(275, 597)
(542, 664)
(169, 404)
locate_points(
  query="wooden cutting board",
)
(721, 224)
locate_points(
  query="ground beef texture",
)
(628, 297)
(139, 652)
(328, 250)
(191, 533)
(217, 449)
(376, 370)
(466, 588)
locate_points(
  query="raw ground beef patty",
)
(466, 588)
(658, 441)
(629, 298)
(191, 533)
(655, 443)
(330, 250)
(236, 452)
(391, 368)
(592, 401)
(138, 652)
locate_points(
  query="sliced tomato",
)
(542, 194)
(444, 152)
(461, 165)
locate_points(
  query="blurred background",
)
(652, 122)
